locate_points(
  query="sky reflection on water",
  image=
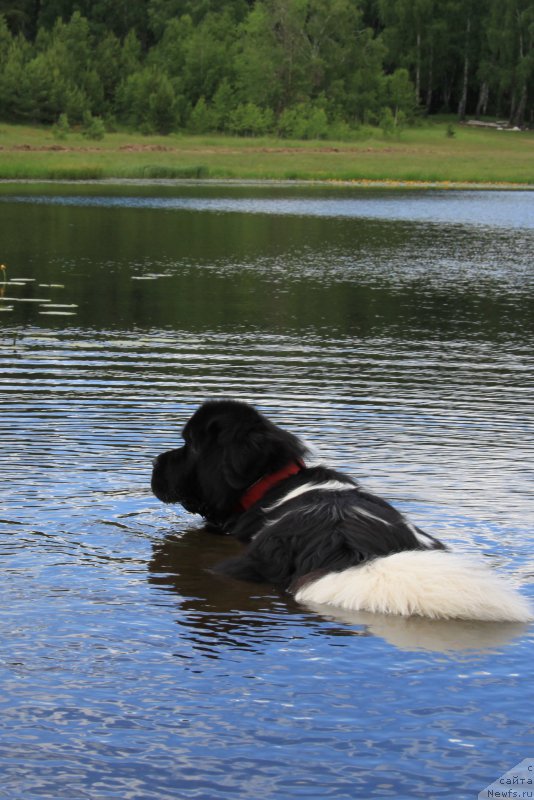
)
(400, 349)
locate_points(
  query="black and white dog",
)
(312, 530)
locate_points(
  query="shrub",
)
(303, 121)
(76, 105)
(340, 130)
(93, 127)
(62, 127)
(392, 125)
(249, 119)
(203, 118)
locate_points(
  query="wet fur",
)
(318, 534)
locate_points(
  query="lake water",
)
(394, 332)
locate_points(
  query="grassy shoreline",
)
(422, 156)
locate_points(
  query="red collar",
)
(262, 486)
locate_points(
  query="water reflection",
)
(440, 636)
(142, 267)
(497, 209)
(401, 350)
(215, 612)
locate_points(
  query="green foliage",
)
(271, 63)
(304, 121)
(130, 59)
(109, 67)
(307, 68)
(16, 90)
(387, 122)
(203, 118)
(147, 101)
(76, 105)
(249, 119)
(340, 130)
(200, 57)
(5, 41)
(62, 127)
(93, 127)
(224, 102)
(400, 95)
(162, 106)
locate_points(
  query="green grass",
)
(421, 154)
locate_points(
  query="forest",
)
(306, 69)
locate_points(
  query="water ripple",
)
(496, 209)
(130, 669)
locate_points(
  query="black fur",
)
(228, 447)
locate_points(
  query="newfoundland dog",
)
(314, 531)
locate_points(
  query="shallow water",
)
(393, 331)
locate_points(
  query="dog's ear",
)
(236, 445)
(253, 451)
(244, 456)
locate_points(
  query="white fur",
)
(362, 512)
(332, 486)
(422, 537)
(428, 583)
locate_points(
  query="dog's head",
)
(228, 446)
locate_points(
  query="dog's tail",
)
(428, 583)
